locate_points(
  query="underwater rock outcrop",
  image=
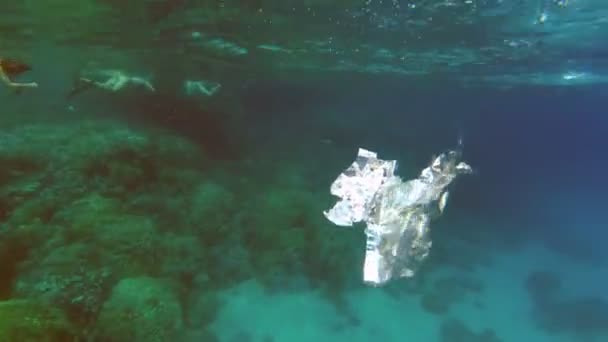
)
(141, 310)
(33, 321)
(85, 207)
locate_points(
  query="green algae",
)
(110, 206)
(24, 320)
(141, 310)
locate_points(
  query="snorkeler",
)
(115, 80)
(10, 68)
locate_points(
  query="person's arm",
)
(12, 84)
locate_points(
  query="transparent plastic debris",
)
(397, 214)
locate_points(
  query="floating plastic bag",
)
(397, 214)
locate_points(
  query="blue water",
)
(521, 245)
(157, 217)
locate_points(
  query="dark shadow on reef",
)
(206, 127)
(556, 313)
(447, 291)
(454, 330)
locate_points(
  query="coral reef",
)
(141, 309)
(85, 206)
(33, 321)
(122, 229)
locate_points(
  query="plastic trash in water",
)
(397, 214)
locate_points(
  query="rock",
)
(141, 310)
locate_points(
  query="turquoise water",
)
(170, 186)
(518, 256)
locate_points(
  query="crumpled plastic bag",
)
(397, 214)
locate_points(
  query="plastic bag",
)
(397, 214)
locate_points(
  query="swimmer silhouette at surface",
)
(10, 68)
(111, 80)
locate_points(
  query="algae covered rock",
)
(45, 167)
(92, 243)
(211, 207)
(33, 321)
(142, 309)
(288, 241)
(73, 223)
